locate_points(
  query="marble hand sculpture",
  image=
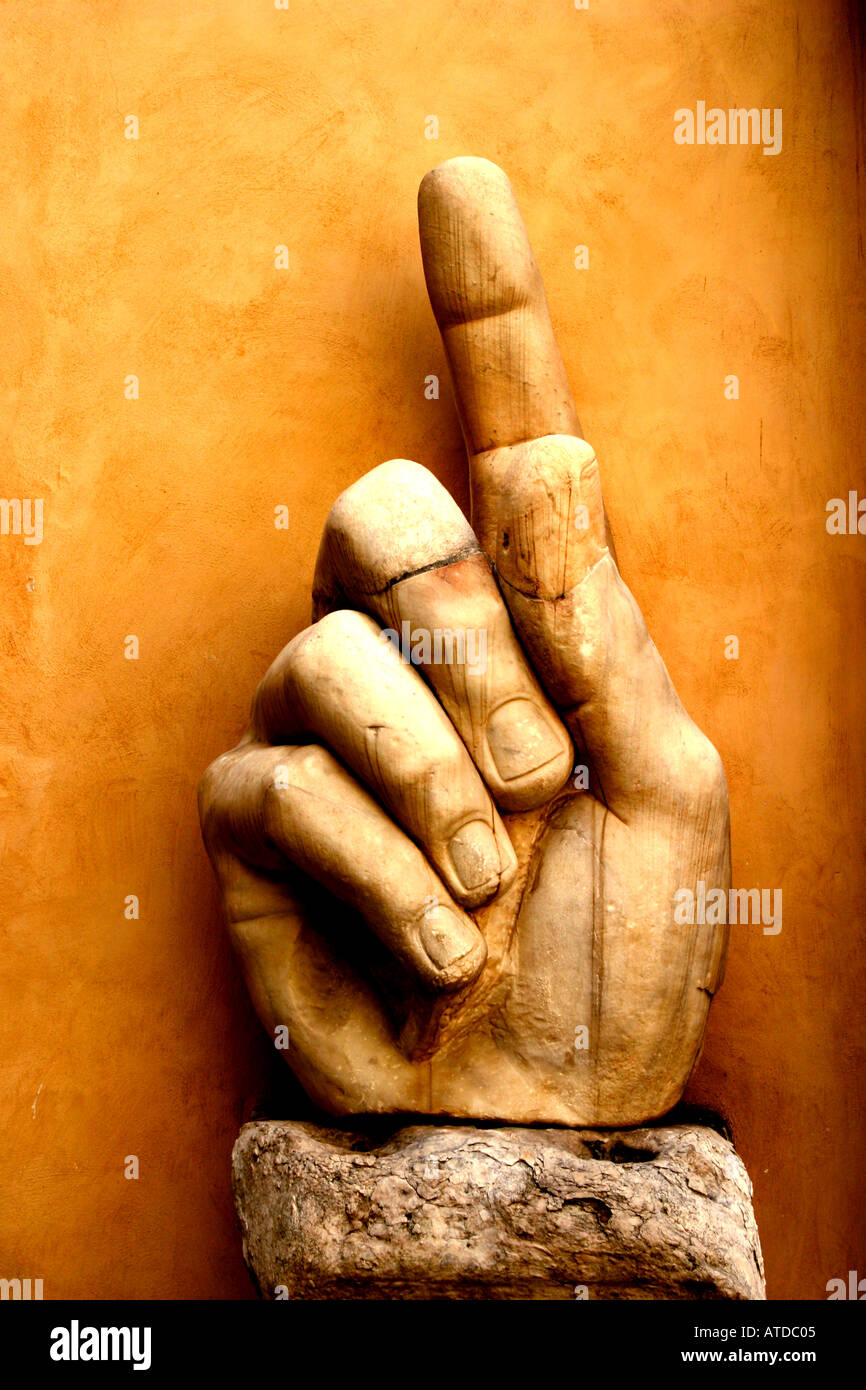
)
(450, 839)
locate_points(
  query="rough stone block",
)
(459, 1212)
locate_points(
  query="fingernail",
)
(521, 739)
(475, 855)
(447, 938)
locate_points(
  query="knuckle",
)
(394, 520)
(335, 629)
(215, 797)
(298, 767)
(704, 772)
(212, 781)
(235, 789)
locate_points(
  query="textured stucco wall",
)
(261, 387)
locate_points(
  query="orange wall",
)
(261, 387)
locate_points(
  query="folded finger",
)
(298, 806)
(340, 682)
(398, 546)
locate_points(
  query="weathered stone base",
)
(460, 1212)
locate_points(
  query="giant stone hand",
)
(451, 879)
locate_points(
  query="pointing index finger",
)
(537, 503)
(489, 302)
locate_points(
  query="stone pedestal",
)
(459, 1212)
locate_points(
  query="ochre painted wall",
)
(261, 387)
